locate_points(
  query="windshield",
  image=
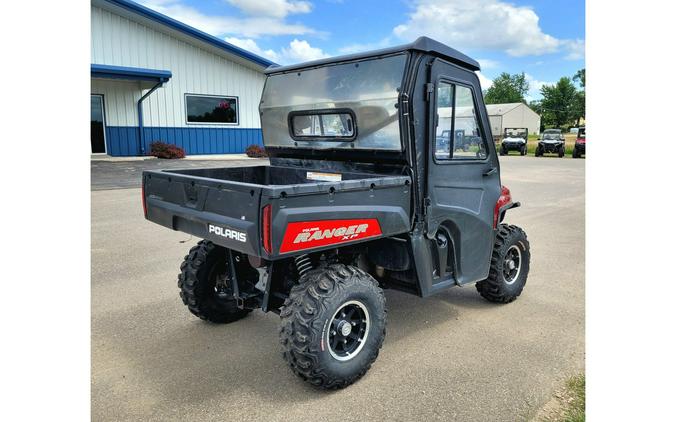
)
(347, 105)
(515, 133)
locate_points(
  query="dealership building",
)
(156, 79)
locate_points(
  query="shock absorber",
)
(303, 264)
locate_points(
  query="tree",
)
(580, 77)
(558, 103)
(579, 105)
(507, 88)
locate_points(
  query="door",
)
(463, 171)
(97, 125)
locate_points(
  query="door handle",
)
(490, 172)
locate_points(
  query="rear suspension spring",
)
(303, 264)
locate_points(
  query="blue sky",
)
(543, 38)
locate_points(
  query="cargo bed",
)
(226, 205)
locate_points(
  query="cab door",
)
(463, 171)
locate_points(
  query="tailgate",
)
(224, 212)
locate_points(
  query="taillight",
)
(145, 206)
(267, 228)
(504, 199)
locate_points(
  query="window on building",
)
(211, 109)
(458, 135)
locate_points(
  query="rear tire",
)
(575, 153)
(204, 270)
(509, 266)
(313, 326)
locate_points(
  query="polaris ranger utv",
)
(551, 141)
(580, 144)
(359, 196)
(515, 139)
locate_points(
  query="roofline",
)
(129, 73)
(188, 30)
(424, 44)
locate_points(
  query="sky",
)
(543, 38)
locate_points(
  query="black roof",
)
(424, 44)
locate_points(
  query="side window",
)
(458, 135)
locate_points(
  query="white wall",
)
(118, 41)
(521, 116)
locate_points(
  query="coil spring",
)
(303, 264)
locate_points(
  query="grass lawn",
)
(568, 405)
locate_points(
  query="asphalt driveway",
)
(453, 356)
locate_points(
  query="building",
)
(512, 115)
(156, 79)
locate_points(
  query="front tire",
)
(523, 150)
(561, 152)
(333, 326)
(503, 151)
(509, 266)
(205, 287)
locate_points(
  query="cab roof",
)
(424, 44)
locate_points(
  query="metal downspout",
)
(140, 115)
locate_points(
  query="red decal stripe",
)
(313, 234)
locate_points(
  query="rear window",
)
(323, 125)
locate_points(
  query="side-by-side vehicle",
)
(369, 187)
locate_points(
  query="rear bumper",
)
(221, 230)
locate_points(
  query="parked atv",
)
(358, 197)
(551, 141)
(515, 139)
(580, 144)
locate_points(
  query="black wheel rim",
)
(348, 330)
(511, 265)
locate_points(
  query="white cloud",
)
(488, 63)
(251, 26)
(359, 47)
(576, 49)
(479, 24)
(485, 82)
(535, 87)
(250, 45)
(273, 8)
(296, 52)
(301, 51)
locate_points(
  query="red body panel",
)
(313, 234)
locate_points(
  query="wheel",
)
(523, 150)
(561, 151)
(205, 286)
(503, 151)
(333, 325)
(509, 266)
(575, 153)
(538, 152)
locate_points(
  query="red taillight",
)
(504, 199)
(267, 228)
(145, 206)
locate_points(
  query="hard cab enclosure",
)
(365, 167)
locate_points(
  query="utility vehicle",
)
(580, 144)
(515, 139)
(359, 196)
(551, 141)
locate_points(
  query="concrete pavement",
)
(453, 356)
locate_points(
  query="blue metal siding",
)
(123, 140)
